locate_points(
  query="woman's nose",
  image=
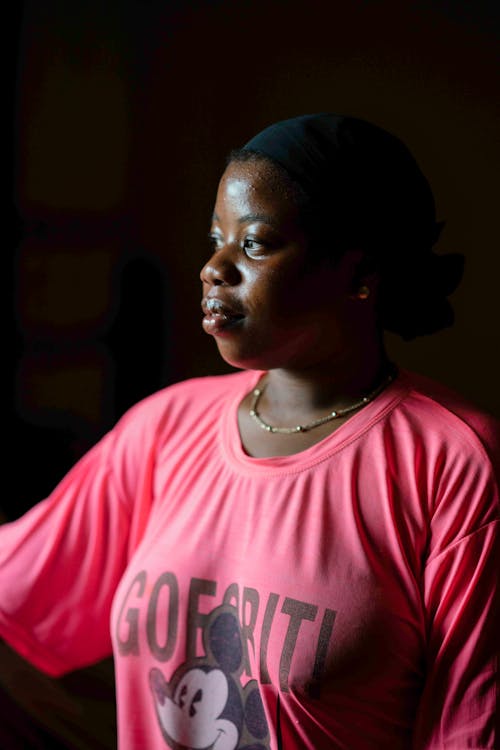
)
(219, 271)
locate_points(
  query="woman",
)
(300, 554)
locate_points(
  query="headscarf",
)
(367, 190)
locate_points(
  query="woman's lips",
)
(219, 316)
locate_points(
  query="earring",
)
(363, 292)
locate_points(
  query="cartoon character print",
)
(204, 707)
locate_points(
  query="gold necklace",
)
(257, 393)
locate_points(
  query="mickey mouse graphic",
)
(204, 706)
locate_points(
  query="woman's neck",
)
(336, 384)
(290, 397)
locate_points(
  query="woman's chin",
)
(239, 359)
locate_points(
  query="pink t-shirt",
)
(338, 598)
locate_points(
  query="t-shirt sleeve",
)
(61, 562)
(459, 706)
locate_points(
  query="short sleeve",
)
(459, 706)
(61, 562)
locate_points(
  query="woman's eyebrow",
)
(265, 218)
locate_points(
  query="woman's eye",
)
(251, 245)
(213, 241)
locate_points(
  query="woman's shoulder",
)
(444, 411)
(173, 412)
(187, 397)
(202, 388)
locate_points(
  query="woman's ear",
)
(365, 277)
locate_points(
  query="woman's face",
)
(265, 303)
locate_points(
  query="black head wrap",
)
(365, 189)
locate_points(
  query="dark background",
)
(120, 116)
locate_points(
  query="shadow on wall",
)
(81, 361)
